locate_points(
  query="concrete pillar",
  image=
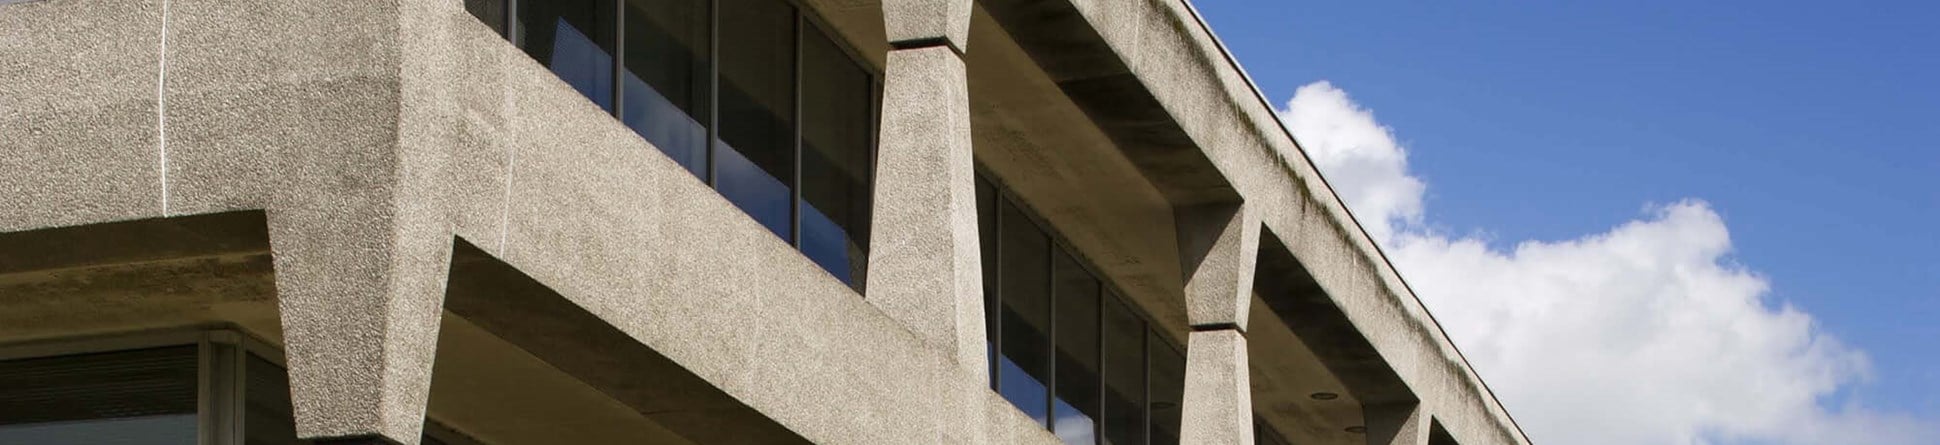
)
(1218, 405)
(1219, 250)
(924, 265)
(925, 268)
(359, 226)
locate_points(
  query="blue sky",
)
(1811, 129)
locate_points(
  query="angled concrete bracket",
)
(360, 279)
(1218, 405)
(1219, 247)
(1396, 424)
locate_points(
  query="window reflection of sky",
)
(752, 189)
(1022, 389)
(656, 119)
(582, 64)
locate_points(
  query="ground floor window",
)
(155, 389)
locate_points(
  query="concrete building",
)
(682, 221)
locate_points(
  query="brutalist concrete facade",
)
(429, 224)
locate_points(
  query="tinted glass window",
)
(489, 12)
(838, 154)
(575, 39)
(1168, 370)
(665, 82)
(138, 397)
(1124, 410)
(1076, 312)
(1025, 357)
(755, 160)
(267, 418)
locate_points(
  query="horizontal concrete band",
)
(338, 131)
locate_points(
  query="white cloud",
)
(1647, 333)
(1358, 156)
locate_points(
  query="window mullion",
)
(1098, 426)
(795, 184)
(619, 61)
(996, 297)
(1051, 337)
(713, 90)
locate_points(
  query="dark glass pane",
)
(1168, 390)
(755, 160)
(138, 397)
(575, 39)
(987, 243)
(267, 418)
(491, 12)
(1124, 410)
(665, 81)
(837, 158)
(1025, 292)
(1078, 380)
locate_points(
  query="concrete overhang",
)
(1165, 95)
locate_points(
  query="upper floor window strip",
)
(756, 99)
(1064, 348)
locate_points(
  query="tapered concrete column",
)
(1218, 251)
(359, 225)
(924, 265)
(1218, 405)
(925, 268)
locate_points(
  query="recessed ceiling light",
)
(1324, 396)
(1357, 429)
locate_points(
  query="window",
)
(750, 96)
(1024, 317)
(172, 390)
(575, 39)
(137, 397)
(1168, 386)
(665, 86)
(1076, 313)
(838, 157)
(1064, 349)
(1124, 363)
(754, 161)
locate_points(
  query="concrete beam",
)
(919, 23)
(1219, 247)
(1218, 405)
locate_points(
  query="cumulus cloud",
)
(1645, 333)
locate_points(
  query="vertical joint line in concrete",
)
(161, 107)
(505, 211)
